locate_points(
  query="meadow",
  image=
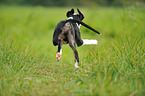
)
(115, 67)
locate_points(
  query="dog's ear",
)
(70, 13)
(80, 14)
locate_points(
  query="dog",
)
(68, 32)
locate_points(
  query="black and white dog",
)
(68, 32)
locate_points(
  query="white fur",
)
(89, 42)
(79, 25)
(69, 18)
(61, 51)
(58, 55)
(76, 65)
(75, 14)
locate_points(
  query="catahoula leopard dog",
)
(68, 32)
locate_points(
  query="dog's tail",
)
(82, 23)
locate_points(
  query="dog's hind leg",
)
(59, 51)
(72, 44)
(75, 54)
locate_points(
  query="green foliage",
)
(115, 67)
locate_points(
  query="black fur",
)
(68, 32)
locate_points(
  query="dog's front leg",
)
(59, 51)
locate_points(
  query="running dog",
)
(68, 32)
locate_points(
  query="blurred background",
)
(28, 65)
(74, 2)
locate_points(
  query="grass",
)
(115, 67)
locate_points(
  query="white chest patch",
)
(79, 25)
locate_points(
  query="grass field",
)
(115, 67)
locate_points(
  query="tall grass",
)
(116, 66)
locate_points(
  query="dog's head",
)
(71, 14)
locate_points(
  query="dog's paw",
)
(77, 67)
(58, 56)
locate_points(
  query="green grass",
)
(115, 67)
